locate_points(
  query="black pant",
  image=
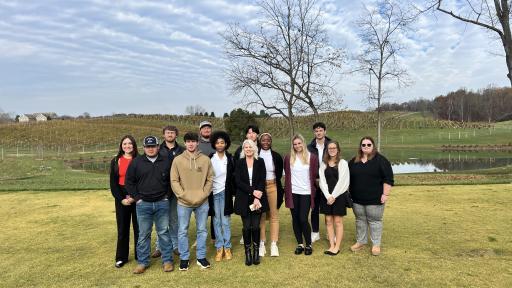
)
(251, 228)
(301, 204)
(123, 216)
(315, 213)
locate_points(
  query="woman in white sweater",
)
(334, 182)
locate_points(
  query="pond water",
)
(436, 161)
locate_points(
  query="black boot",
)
(247, 245)
(256, 246)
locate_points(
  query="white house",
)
(23, 118)
(40, 117)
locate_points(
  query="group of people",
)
(168, 182)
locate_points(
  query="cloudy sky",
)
(106, 56)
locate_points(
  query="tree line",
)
(485, 105)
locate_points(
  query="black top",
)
(116, 190)
(147, 180)
(367, 179)
(229, 188)
(331, 177)
(244, 190)
(312, 148)
(170, 153)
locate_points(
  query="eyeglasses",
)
(366, 145)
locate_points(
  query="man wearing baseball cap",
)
(147, 181)
(205, 131)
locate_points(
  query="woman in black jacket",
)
(274, 190)
(221, 198)
(251, 199)
(124, 209)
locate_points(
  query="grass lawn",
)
(434, 236)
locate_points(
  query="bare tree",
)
(380, 30)
(195, 110)
(493, 16)
(285, 66)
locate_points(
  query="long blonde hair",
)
(303, 156)
(254, 148)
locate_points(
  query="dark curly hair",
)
(220, 135)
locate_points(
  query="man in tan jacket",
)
(191, 181)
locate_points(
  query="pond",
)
(419, 161)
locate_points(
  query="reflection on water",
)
(416, 165)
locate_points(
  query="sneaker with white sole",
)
(315, 236)
(274, 251)
(203, 263)
(242, 241)
(262, 251)
(184, 264)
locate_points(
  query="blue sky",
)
(134, 56)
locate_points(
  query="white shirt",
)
(249, 170)
(269, 164)
(320, 149)
(300, 178)
(220, 168)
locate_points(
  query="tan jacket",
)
(191, 178)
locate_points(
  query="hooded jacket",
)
(192, 178)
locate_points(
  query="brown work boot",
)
(139, 269)
(156, 254)
(227, 254)
(376, 250)
(218, 256)
(168, 267)
(356, 247)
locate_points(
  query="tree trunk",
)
(506, 37)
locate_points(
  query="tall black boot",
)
(246, 234)
(256, 246)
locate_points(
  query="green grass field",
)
(434, 236)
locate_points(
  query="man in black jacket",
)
(318, 146)
(147, 181)
(170, 149)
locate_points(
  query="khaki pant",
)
(272, 214)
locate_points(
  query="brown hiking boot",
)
(376, 250)
(168, 267)
(139, 269)
(227, 254)
(218, 256)
(356, 247)
(156, 254)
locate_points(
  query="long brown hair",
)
(134, 153)
(303, 156)
(327, 157)
(359, 154)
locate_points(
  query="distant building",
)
(37, 117)
(23, 118)
(40, 117)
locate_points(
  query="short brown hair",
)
(170, 128)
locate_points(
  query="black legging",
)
(251, 228)
(315, 213)
(301, 227)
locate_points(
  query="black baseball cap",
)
(150, 141)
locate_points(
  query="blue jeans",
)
(221, 222)
(201, 214)
(147, 213)
(173, 223)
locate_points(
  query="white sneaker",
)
(194, 244)
(262, 249)
(274, 251)
(315, 236)
(242, 241)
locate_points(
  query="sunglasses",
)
(366, 145)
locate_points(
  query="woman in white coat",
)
(334, 183)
